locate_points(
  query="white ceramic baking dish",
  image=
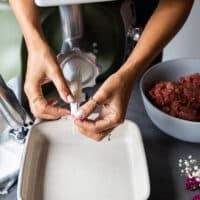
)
(60, 165)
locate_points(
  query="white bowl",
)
(170, 71)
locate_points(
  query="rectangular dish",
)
(58, 164)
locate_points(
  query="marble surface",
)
(162, 154)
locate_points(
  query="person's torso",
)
(144, 9)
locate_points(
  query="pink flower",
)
(196, 197)
(192, 183)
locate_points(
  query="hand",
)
(43, 68)
(113, 98)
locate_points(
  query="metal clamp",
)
(13, 113)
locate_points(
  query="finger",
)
(41, 108)
(40, 115)
(51, 105)
(51, 113)
(96, 136)
(85, 110)
(39, 105)
(93, 136)
(96, 126)
(47, 117)
(45, 81)
(88, 108)
(86, 133)
(62, 87)
(57, 111)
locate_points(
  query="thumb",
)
(88, 108)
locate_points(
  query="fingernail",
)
(79, 114)
(70, 99)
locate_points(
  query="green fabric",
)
(10, 43)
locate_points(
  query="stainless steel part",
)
(80, 71)
(5, 189)
(13, 113)
(3, 124)
(45, 3)
(132, 37)
(77, 64)
(72, 26)
(129, 22)
(134, 33)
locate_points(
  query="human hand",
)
(43, 68)
(113, 98)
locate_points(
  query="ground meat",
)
(180, 99)
(191, 91)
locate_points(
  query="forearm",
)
(166, 21)
(27, 15)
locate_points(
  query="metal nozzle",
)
(79, 68)
(72, 26)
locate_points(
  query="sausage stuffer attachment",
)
(80, 71)
(79, 68)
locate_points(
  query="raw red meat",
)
(180, 99)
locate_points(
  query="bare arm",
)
(27, 14)
(42, 63)
(165, 22)
(115, 93)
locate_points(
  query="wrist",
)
(35, 41)
(128, 72)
